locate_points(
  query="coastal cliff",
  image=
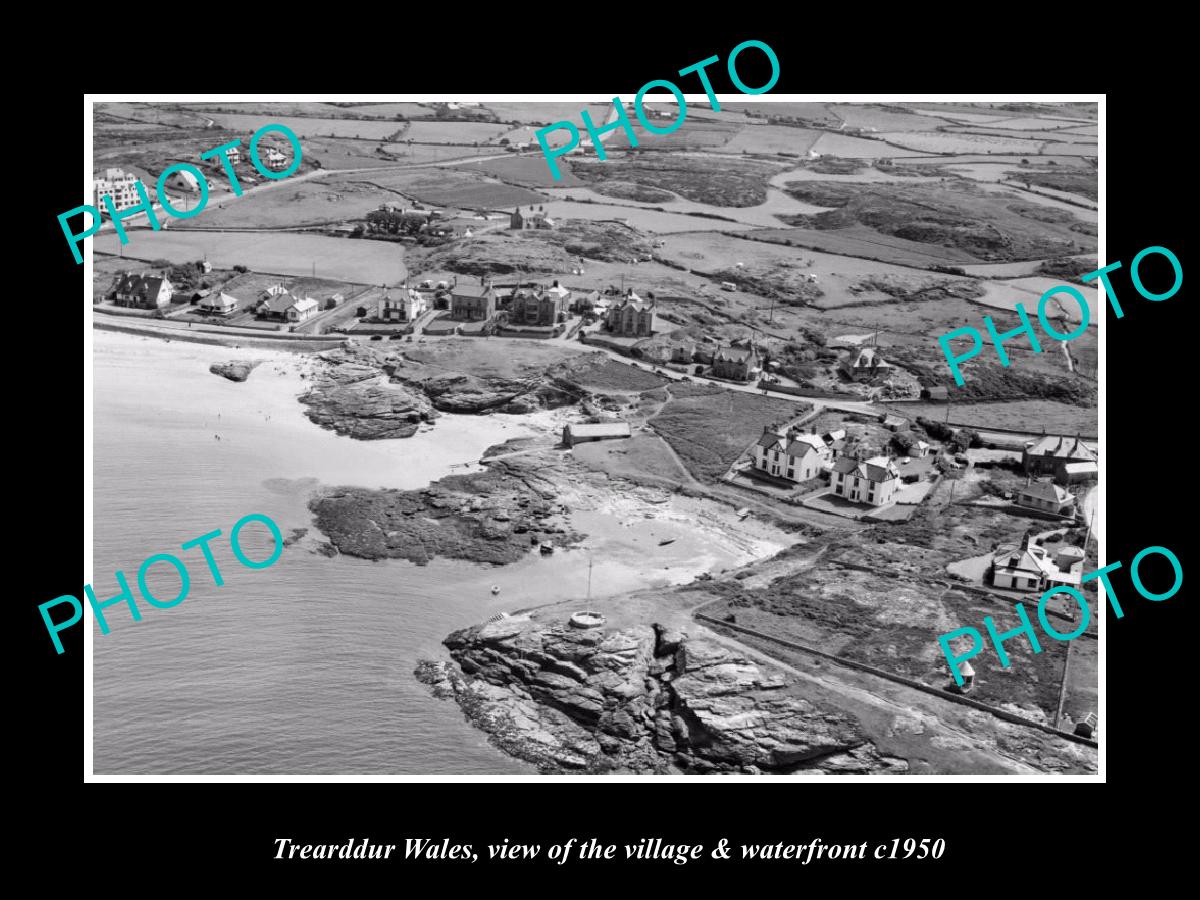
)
(641, 698)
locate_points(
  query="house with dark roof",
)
(1047, 497)
(865, 365)
(472, 302)
(633, 316)
(520, 221)
(872, 481)
(141, 291)
(1054, 454)
(736, 363)
(791, 455)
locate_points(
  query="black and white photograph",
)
(518, 438)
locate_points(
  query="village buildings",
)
(1029, 567)
(1046, 497)
(472, 302)
(865, 365)
(872, 481)
(520, 221)
(120, 186)
(736, 363)
(404, 305)
(1066, 459)
(537, 305)
(141, 291)
(792, 455)
(276, 302)
(632, 316)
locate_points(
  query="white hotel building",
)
(119, 185)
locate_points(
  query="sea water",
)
(304, 667)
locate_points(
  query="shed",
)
(575, 434)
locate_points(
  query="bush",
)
(241, 269)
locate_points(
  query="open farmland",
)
(548, 113)
(952, 215)
(943, 142)
(284, 253)
(868, 244)
(451, 132)
(717, 182)
(529, 171)
(771, 139)
(448, 187)
(306, 203)
(1012, 415)
(709, 428)
(306, 126)
(851, 147)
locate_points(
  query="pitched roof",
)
(880, 468)
(869, 358)
(1012, 556)
(142, 285)
(813, 440)
(219, 301)
(306, 304)
(799, 448)
(278, 303)
(1081, 468)
(771, 439)
(473, 290)
(737, 354)
(1044, 490)
(1060, 447)
(835, 435)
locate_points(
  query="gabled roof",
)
(306, 304)
(1060, 447)
(277, 302)
(835, 435)
(1044, 490)
(869, 358)
(772, 440)
(813, 440)
(799, 448)
(736, 354)
(473, 290)
(142, 285)
(876, 469)
(219, 301)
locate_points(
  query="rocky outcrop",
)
(640, 698)
(236, 370)
(495, 516)
(367, 411)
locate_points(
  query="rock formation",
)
(641, 699)
(236, 370)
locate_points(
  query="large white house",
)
(794, 456)
(873, 481)
(119, 185)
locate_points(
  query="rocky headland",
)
(641, 698)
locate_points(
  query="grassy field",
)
(709, 428)
(308, 203)
(954, 215)
(1016, 415)
(857, 148)
(717, 182)
(360, 262)
(451, 132)
(771, 139)
(446, 187)
(548, 113)
(506, 358)
(943, 142)
(308, 126)
(529, 171)
(868, 244)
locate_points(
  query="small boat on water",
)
(664, 543)
(495, 588)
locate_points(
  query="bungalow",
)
(736, 363)
(604, 431)
(302, 310)
(141, 291)
(219, 304)
(1017, 568)
(873, 481)
(1045, 496)
(867, 364)
(1052, 454)
(794, 456)
(274, 302)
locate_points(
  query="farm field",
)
(771, 139)
(285, 253)
(548, 113)
(814, 111)
(645, 219)
(709, 428)
(885, 119)
(848, 146)
(530, 171)
(305, 126)
(306, 203)
(451, 132)
(391, 110)
(869, 244)
(1014, 415)
(943, 142)
(1028, 291)
(452, 188)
